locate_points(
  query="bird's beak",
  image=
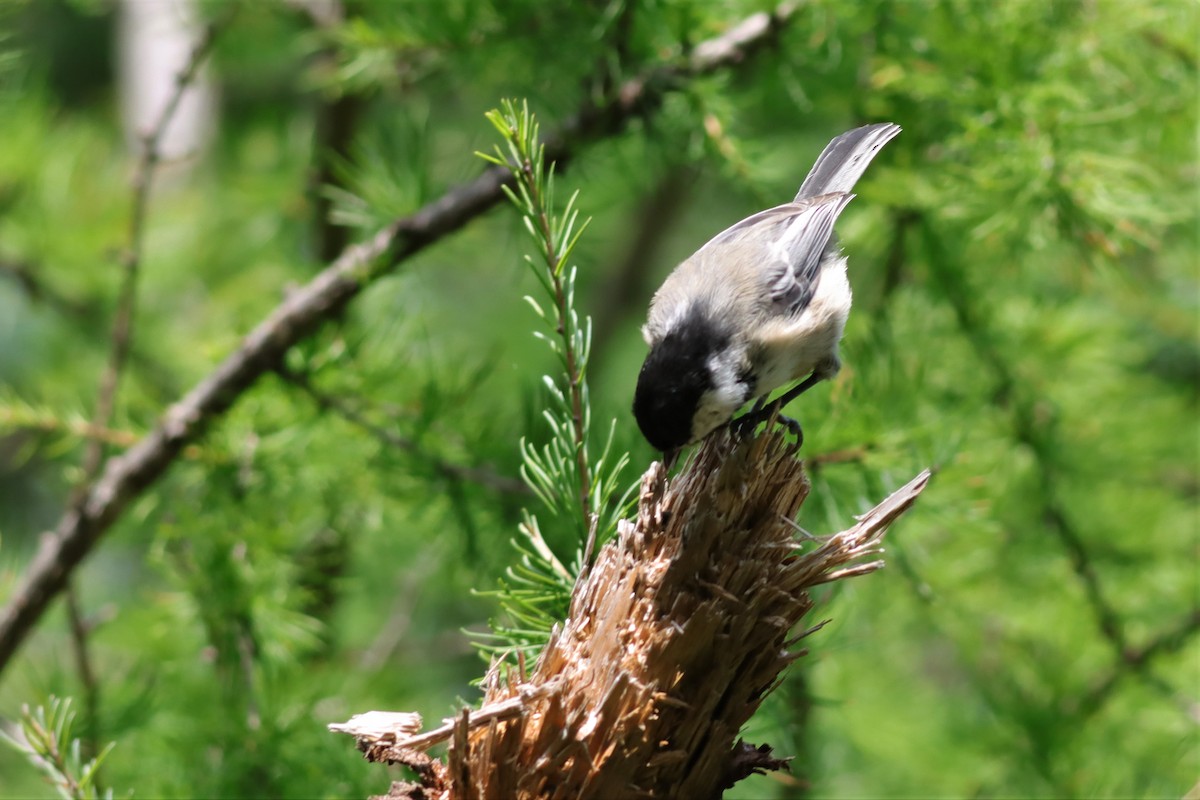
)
(670, 457)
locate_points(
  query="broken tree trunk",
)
(685, 623)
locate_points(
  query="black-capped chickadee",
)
(762, 304)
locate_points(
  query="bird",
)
(762, 304)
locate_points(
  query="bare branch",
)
(402, 735)
(335, 122)
(126, 476)
(80, 631)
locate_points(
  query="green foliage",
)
(584, 494)
(45, 740)
(1023, 262)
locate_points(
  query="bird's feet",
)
(762, 412)
(793, 426)
(744, 425)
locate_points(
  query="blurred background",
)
(1024, 262)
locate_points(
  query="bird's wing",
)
(784, 246)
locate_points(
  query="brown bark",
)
(685, 623)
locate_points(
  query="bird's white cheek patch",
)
(710, 416)
(725, 396)
(727, 391)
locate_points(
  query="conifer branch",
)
(128, 475)
(561, 472)
(1032, 427)
(19, 416)
(1137, 661)
(81, 652)
(555, 235)
(44, 738)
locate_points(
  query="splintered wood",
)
(684, 624)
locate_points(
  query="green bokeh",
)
(1024, 263)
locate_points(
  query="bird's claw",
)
(745, 424)
(793, 426)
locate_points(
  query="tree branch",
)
(1136, 660)
(555, 233)
(338, 112)
(121, 343)
(554, 244)
(126, 476)
(23, 417)
(89, 685)
(37, 290)
(482, 476)
(126, 309)
(1032, 428)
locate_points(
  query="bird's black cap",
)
(674, 377)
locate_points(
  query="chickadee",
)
(762, 304)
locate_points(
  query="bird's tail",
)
(844, 160)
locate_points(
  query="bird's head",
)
(692, 382)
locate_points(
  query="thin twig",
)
(127, 476)
(121, 340)
(126, 310)
(335, 121)
(52, 748)
(87, 674)
(504, 709)
(1029, 430)
(482, 476)
(32, 419)
(1136, 660)
(620, 41)
(37, 290)
(246, 656)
